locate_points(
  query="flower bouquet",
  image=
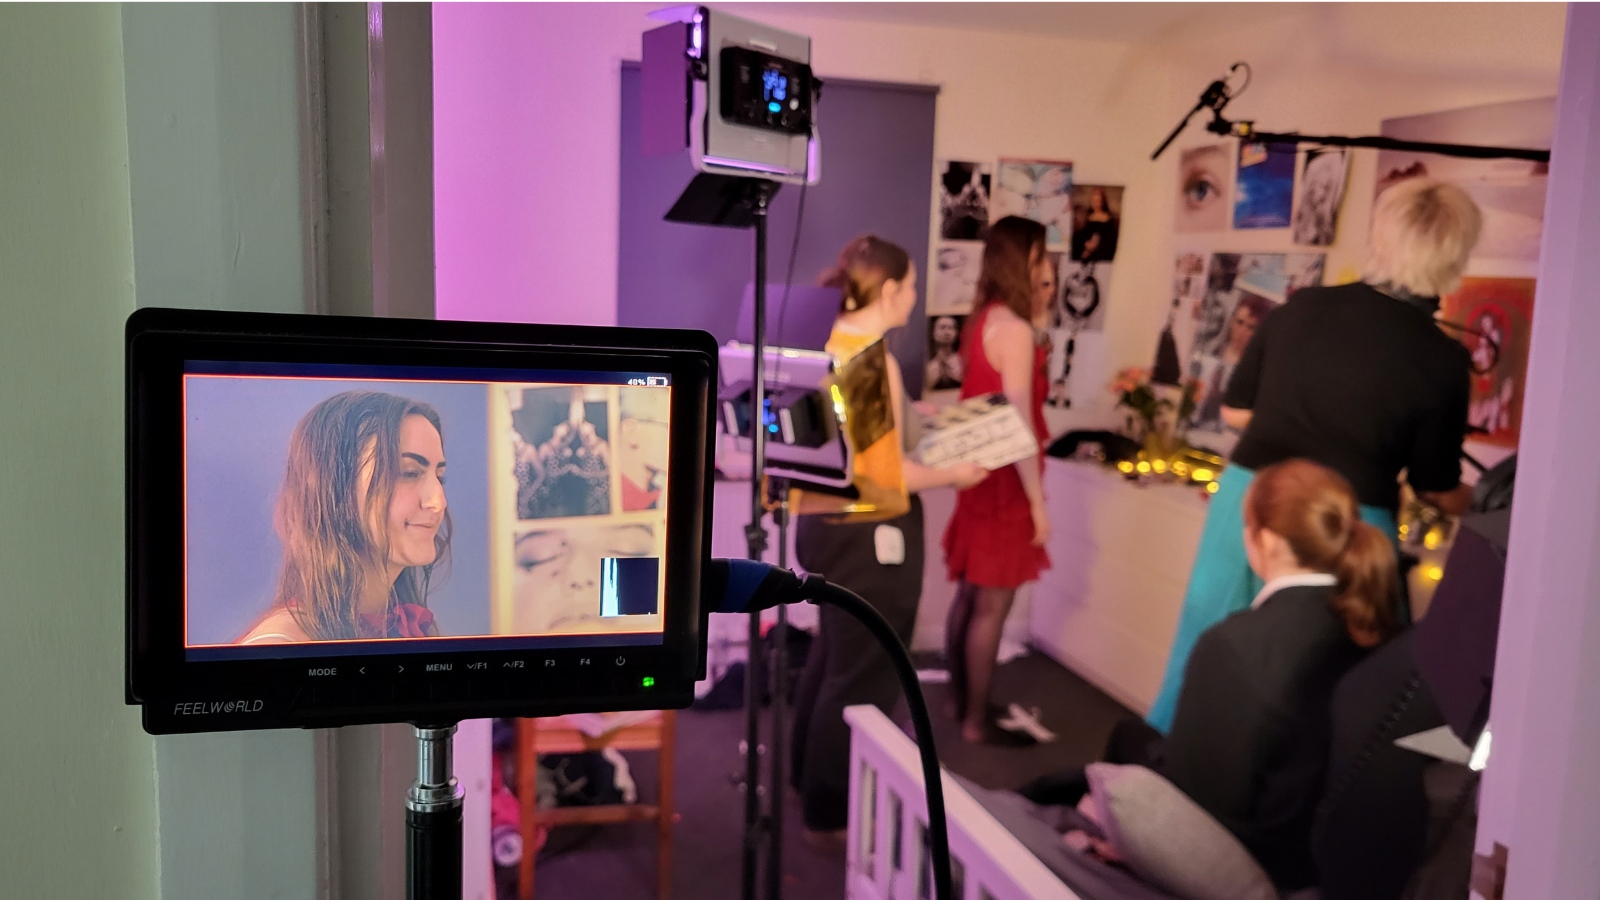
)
(1157, 416)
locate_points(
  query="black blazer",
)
(1250, 738)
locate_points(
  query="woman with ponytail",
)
(881, 560)
(1250, 736)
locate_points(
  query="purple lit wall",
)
(877, 164)
(1540, 796)
(530, 211)
(525, 150)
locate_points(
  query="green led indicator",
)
(649, 681)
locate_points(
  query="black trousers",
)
(846, 666)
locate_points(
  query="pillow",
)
(1169, 840)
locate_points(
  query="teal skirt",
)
(1221, 583)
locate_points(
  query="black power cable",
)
(748, 586)
(788, 275)
(820, 591)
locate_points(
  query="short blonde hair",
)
(1422, 233)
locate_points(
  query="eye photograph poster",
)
(1205, 177)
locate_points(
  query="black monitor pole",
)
(433, 819)
(743, 202)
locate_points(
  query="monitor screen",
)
(344, 510)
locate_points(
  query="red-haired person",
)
(1251, 732)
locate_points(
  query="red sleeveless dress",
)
(989, 541)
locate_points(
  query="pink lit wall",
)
(526, 110)
(1541, 796)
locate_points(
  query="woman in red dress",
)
(995, 542)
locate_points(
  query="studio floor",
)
(619, 861)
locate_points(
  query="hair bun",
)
(835, 278)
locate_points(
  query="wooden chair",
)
(536, 736)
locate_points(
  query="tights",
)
(972, 647)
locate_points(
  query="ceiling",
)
(1127, 22)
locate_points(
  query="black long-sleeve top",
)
(1361, 382)
(1249, 741)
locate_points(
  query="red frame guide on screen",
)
(481, 501)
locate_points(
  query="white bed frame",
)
(887, 857)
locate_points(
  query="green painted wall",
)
(213, 152)
(149, 156)
(213, 144)
(80, 776)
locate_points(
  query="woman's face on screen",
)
(558, 572)
(416, 511)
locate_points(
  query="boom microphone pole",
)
(1214, 97)
(1217, 95)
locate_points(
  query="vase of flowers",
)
(1157, 414)
(1139, 400)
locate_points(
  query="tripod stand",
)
(743, 202)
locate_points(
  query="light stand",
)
(433, 820)
(739, 202)
(759, 827)
(780, 700)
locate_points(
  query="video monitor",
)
(335, 521)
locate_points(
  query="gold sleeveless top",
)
(861, 378)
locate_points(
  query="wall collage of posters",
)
(1083, 223)
(1220, 297)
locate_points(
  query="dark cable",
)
(820, 591)
(1233, 93)
(750, 586)
(788, 275)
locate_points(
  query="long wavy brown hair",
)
(332, 538)
(1008, 258)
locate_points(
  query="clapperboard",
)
(986, 430)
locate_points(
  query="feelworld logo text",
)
(213, 707)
